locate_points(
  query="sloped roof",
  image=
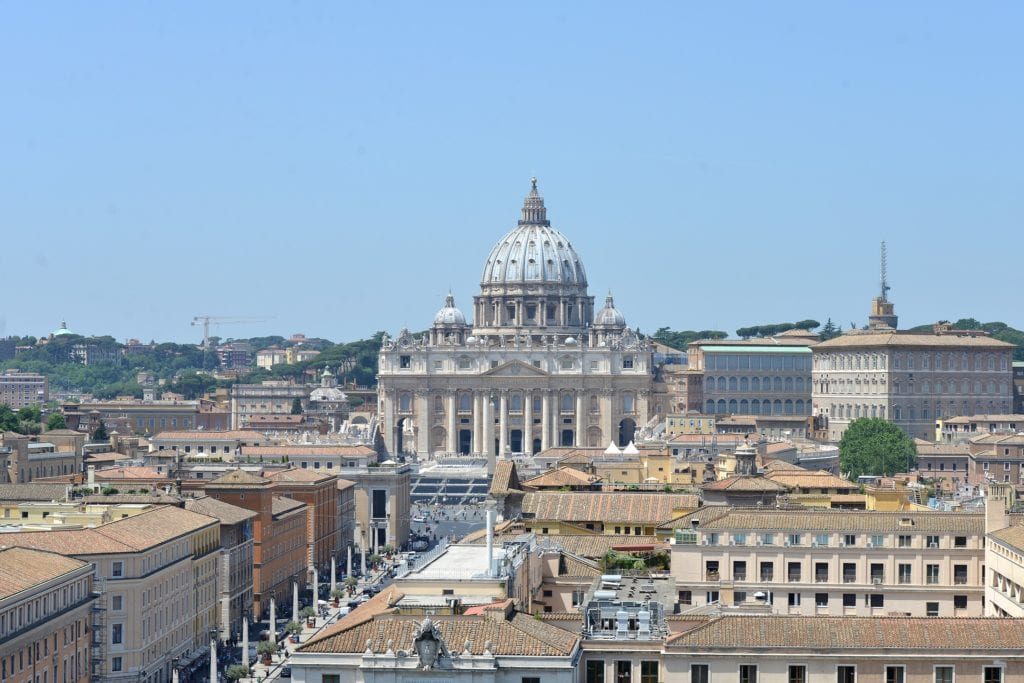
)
(807, 479)
(748, 519)
(311, 450)
(606, 507)
(241, 479)
(520, 635)
(561, 476)
(781, 465)
(207, 435)
(299, 475)
(853, 633)
(33, 492)
(505, 479)
(225, 512)
(910, 340)
(1012, 536)
(281, 505)
(22, 568)
(745, 482)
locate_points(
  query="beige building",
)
(271, 397)
(908, 378)
(156, 574)
(46, 604)
(825, 562)
(382, 506)
(40, 515)
(536, 368)
(23, 389)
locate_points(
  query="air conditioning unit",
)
(842, 544)
(786, 544)
(704, 542)
(933, 545)
(732, 542)
(814, 544)
(870, 544)
(760, 542)
(876, 580)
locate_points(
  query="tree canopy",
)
(998, 330)
(772, 329)
(874, 446)
(681, 339)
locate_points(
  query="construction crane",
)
(207, 320)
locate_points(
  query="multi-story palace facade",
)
(908, 378)
(537, 368)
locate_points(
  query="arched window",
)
(755, 384)
(732, 405)
(788, 383)
(1003, 388)
(744, 384)
(755, 407)
(777, 384)
(732, 384)
(991, 387)
(926, 386)
(938, 386)
(777, 407)
(744, 407)
(799, 406)
(721, 384)
(965, 387)
(628, 403)
(709, 407)
(438, 403)
(798, 384)
(991, 362)
(789, 406)
(720, 406)
(709, 384)
(977, 387)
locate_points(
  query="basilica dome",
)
(534, 252)
(610, 316)
(449, 314)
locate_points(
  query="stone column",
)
(478, 423)
(542, 313)
(581, 430)
(213, 660)
(607, 423)
(503, 424)
(545, 420)
(453, 437)
(295, 601)
(273, 620)
(488, 431)
(528, 422)
(422, 407)
(389, 421)
(348, 562)
(315, 590)
(334, 575)
(245, 640)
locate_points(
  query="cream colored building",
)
(47, 515)
(833, 562)
(46, 604)
(156, 574)
(908, 378)
(537, 368)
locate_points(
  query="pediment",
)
(515, 368)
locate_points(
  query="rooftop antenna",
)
(885, 281)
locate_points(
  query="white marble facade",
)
(538, 367)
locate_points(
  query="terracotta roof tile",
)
(561, 476)
(853, 633)
(299, 475)
(33, 492)
(22, 568)
(745, 482)
(910, 340)
(650, 508)
(225, 512)
(745, 519)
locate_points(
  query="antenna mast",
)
(885, 280)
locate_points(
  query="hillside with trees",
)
(998, 330)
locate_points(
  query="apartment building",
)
(156, 576)
(271, 397)
(225, 444)
(319, 491)
(46, 604)
(325, 458)
(23, 389)
(278, 530)
(825, 562)
(618, 513)
(964, 427)
(235, 565)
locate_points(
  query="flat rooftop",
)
(457, 562)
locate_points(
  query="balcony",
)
(712, 576)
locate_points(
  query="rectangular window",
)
(405, 362)
(933, 541)
(960, 602)
(931, 573)
(699, 673)
(624, 672)
(116, 634)
(116, 603)
(797, 674)
(595, 671)
(793, 572)
(821, 572)
(876, 600)
(850, 540)
(943, 674)
(115, 664)
(648, 671)
(931, 609)
(959, 574)
(685, 597)
(959, 541)
(904, 575)
(878, 541)
(739, 570)
(767, 539)
(849, 599)
(530, 679)
(117, 570)
(992, 674)
(821, 540)
(894, 674)
(767, 571)
(846, 674)
(793, 539)
(821, 599)
(849, 572)
(903, 541)
(794, 599)
(748, 673)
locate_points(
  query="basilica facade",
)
(537, 368)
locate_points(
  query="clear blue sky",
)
(339, 166)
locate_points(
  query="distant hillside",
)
(1000, 331)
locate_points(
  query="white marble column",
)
(245, 640)
(453, 436)
(503, 424)
(315, 590)
(213, 660)
(348, 561)
(478, 423)
(581, 430)
(528, 422)
(273, 620)
(295, 600)
(334, 575)
(545, 420)
(488, 430)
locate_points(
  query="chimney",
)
(995, 513)
(490, 543)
